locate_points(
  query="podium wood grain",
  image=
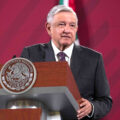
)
(20, 114)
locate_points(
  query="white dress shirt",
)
(67, 51)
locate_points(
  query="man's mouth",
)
(65, 36)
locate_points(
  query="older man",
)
(86, 64)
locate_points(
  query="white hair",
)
(57, 9)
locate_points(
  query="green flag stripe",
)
(61, 2)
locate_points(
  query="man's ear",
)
(48, 28)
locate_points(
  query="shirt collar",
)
(67, 51)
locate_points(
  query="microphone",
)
(14, 56)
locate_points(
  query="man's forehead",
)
(64, 12)
(65, 15)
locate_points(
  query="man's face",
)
(63, 29)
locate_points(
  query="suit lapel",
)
(49, 53)
(76, 60)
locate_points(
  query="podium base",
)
(53, 116)
(34, 104)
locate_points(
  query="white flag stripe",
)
(66, 2)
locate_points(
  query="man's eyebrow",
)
(72, 23)
(61, 22)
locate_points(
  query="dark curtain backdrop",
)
(22, 23)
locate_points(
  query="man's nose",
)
(67, 29)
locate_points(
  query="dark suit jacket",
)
(88, 70)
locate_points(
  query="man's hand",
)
(85, 109)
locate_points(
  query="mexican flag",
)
(70, 3)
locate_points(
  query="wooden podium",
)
(55, 87)
(20, 114)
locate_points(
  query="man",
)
(86, 65)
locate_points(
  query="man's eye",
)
(72, 25)
(61, 24)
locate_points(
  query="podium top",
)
(56, 74)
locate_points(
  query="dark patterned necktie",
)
(61, 56)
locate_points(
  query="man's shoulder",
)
(37, 46)
(35, 52)
(88, 51)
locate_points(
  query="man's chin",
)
(65, 45)
(66, 42)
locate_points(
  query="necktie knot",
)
(61, 56)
